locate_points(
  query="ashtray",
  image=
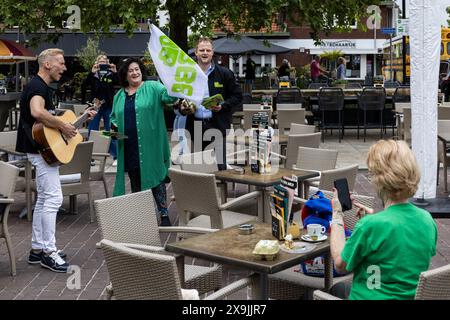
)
(239, 170)
(246, 228)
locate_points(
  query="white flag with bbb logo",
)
(181, 75)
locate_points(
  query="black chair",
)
(372, 100)
(331, 100)
(289, 95)
(402, 94)
(391, 84)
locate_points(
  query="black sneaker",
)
(36, 257)
(165, 221)
(54, 262)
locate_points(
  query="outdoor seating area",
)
(240, 152)
(130, 225)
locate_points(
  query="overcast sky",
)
(443, 5)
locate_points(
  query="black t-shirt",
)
(36, 87)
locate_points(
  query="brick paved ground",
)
(77, 237)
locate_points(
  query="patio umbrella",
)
(11, 52)
(237, 47)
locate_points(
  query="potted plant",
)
(340, 83)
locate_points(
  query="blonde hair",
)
(341, 60)
(394, 170)
(102, 56)
(47, 53)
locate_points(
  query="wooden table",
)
(263, 181)
(228, 247)
(12, 150)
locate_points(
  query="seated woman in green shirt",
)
(387, 250)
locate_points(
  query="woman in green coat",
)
(139, 114)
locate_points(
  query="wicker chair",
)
(315, 159)
(331, 100)
(196, 193)
(297, 128)
(100, 153)
(132, 219)
(137, 274)
(311, 140)
(433, 285)
(289, 284)
(203, 162)
(327, 177)
(285, 117)
(443, 113)
(9, 174)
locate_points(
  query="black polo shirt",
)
(36, 87)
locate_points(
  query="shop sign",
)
(340, 44)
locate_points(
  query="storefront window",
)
(353, 66)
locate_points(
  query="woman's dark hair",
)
(123, 71)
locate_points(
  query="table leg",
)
(179, 259)
(260, 287)
(267, 215)
(328, 272)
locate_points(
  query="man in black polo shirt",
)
(36, 105)
(218, 118)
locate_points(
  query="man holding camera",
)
(101, 81)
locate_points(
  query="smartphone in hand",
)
(343, 193)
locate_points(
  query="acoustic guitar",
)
(56, 148)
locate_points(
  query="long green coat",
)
(153, 144)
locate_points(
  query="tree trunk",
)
(179, 23)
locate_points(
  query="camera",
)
(104, 67)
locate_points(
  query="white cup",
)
(315, 230)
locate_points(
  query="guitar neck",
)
(79, 122)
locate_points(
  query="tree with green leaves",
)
(199, 15)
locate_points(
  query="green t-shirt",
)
(397, 244)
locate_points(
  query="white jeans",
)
(49, 199)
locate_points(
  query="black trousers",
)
(159, 192)
(220, 156)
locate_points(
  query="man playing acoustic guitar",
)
(36, 105)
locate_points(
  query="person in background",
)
(285, 69)
(220, 80)
(145, 155)
(101, 80)
(316, 70)
(398, 241)
(341, 69)
(250, 68)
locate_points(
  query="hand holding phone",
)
(343, 193)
